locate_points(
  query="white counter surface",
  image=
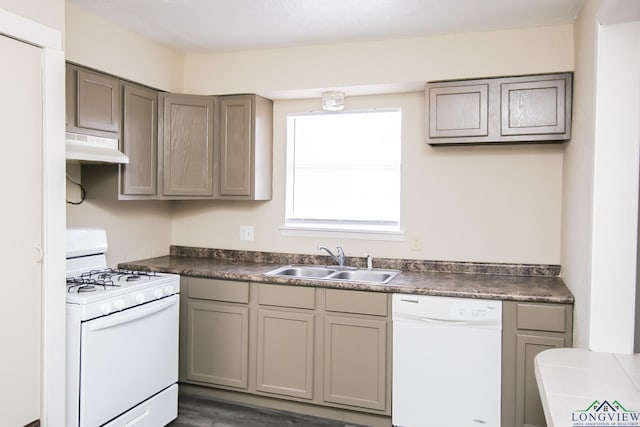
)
(583, 388)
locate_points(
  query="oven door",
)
(126, 358)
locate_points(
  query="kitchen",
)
(531, 203)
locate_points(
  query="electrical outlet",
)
(416, 243)
(246, 232)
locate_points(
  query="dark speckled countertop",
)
(514, 282)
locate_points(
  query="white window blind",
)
(343, 170)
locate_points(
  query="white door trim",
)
(53, 227)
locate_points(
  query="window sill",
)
(339, 233)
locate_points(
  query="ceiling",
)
(198, 26)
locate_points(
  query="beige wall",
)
(283, 72)
(46, 12)
(465, 203)
(93, 42)
(135, 229)
(494, 204)
(489, 204)
(577, 214)
(600, 186)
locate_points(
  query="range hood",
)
(93, 149)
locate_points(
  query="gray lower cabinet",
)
(528, 329)
(355, 361)
(535, 108)
(356, 349)
(285, 342)
(326, 347)
(245, 151)
(185, 143)
(215, 332)
(92, 102)
(285, 353)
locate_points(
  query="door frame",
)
(49, 40)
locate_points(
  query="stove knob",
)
(105, 308)
(168, 290)
(158, 293)
(140, 298)
(118, 304)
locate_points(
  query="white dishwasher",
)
(446, 361)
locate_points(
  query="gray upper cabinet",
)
(245, 147)
(93, 102)
(533, 108)
(140, 141)
(458, 111)
(136, 180)
(186, 141)
(179, 146)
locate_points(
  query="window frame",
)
(352, 229)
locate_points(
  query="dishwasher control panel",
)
(447, 310)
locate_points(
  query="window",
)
(343, 171)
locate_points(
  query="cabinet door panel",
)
(529, 410)
(218, 344)
(355, 362)
(533, 108)
(140, 140)
(285, 353)
(458, 111)
(522, 109)
(98, 101)
(188, 145)
(235, 146)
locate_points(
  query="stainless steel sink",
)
(335, 273)
(365, 275)
(302, 271)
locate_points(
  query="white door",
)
(21, 105)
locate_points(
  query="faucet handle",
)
(369, 261)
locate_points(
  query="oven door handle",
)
(110, 322)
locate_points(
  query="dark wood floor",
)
(198, 411)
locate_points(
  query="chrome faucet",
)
(337, 258)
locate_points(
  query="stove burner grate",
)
(91, 280)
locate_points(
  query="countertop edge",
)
(406, 285)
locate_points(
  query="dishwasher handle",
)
(444, 321)
(421, 319)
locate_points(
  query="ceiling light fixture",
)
(333, 101)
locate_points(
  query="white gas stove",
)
(122, 339)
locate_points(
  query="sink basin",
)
(302, 271)
(335, 273)
(364, 275)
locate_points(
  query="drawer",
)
(218, 290)
(287, 296)
(356, 302)
(540, 317)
